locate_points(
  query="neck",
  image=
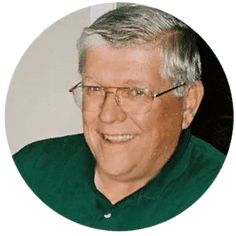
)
(114, 189)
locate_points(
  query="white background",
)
(22, 213)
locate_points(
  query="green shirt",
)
(61, 172)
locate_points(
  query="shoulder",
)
(198, 167)
(51, 142)
(54, 168)
(203, 165)
(205, 153)
(51, 156)
(50, 146)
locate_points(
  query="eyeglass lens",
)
(130, 100)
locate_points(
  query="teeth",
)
(118, 138)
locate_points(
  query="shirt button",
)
(107, 216)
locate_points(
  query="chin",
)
(114, 169)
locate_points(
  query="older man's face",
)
(154, 134)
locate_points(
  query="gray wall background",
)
(39, 105)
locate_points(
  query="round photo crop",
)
(119, 116)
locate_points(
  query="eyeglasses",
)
(131, 100)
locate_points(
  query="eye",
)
(137, 92)
(93, 90)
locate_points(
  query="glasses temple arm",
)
(169, 90)
(74, 87)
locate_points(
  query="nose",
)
(111, 111)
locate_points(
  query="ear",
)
(191, 102)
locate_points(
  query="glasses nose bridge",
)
(116, 96)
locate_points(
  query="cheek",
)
(170, 113)
(163, 126)
(89, 120)
(90, 127)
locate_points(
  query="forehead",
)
(122, 65)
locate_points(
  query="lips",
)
(118, 138)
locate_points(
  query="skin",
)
(124, 167)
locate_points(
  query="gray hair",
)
(132, 25)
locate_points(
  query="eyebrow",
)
(137, 83)
(90, 79)
(128, 83)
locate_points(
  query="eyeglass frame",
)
(117, 88)
(117, 98)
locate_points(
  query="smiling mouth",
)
(118, 138)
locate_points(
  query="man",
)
(137, 164)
